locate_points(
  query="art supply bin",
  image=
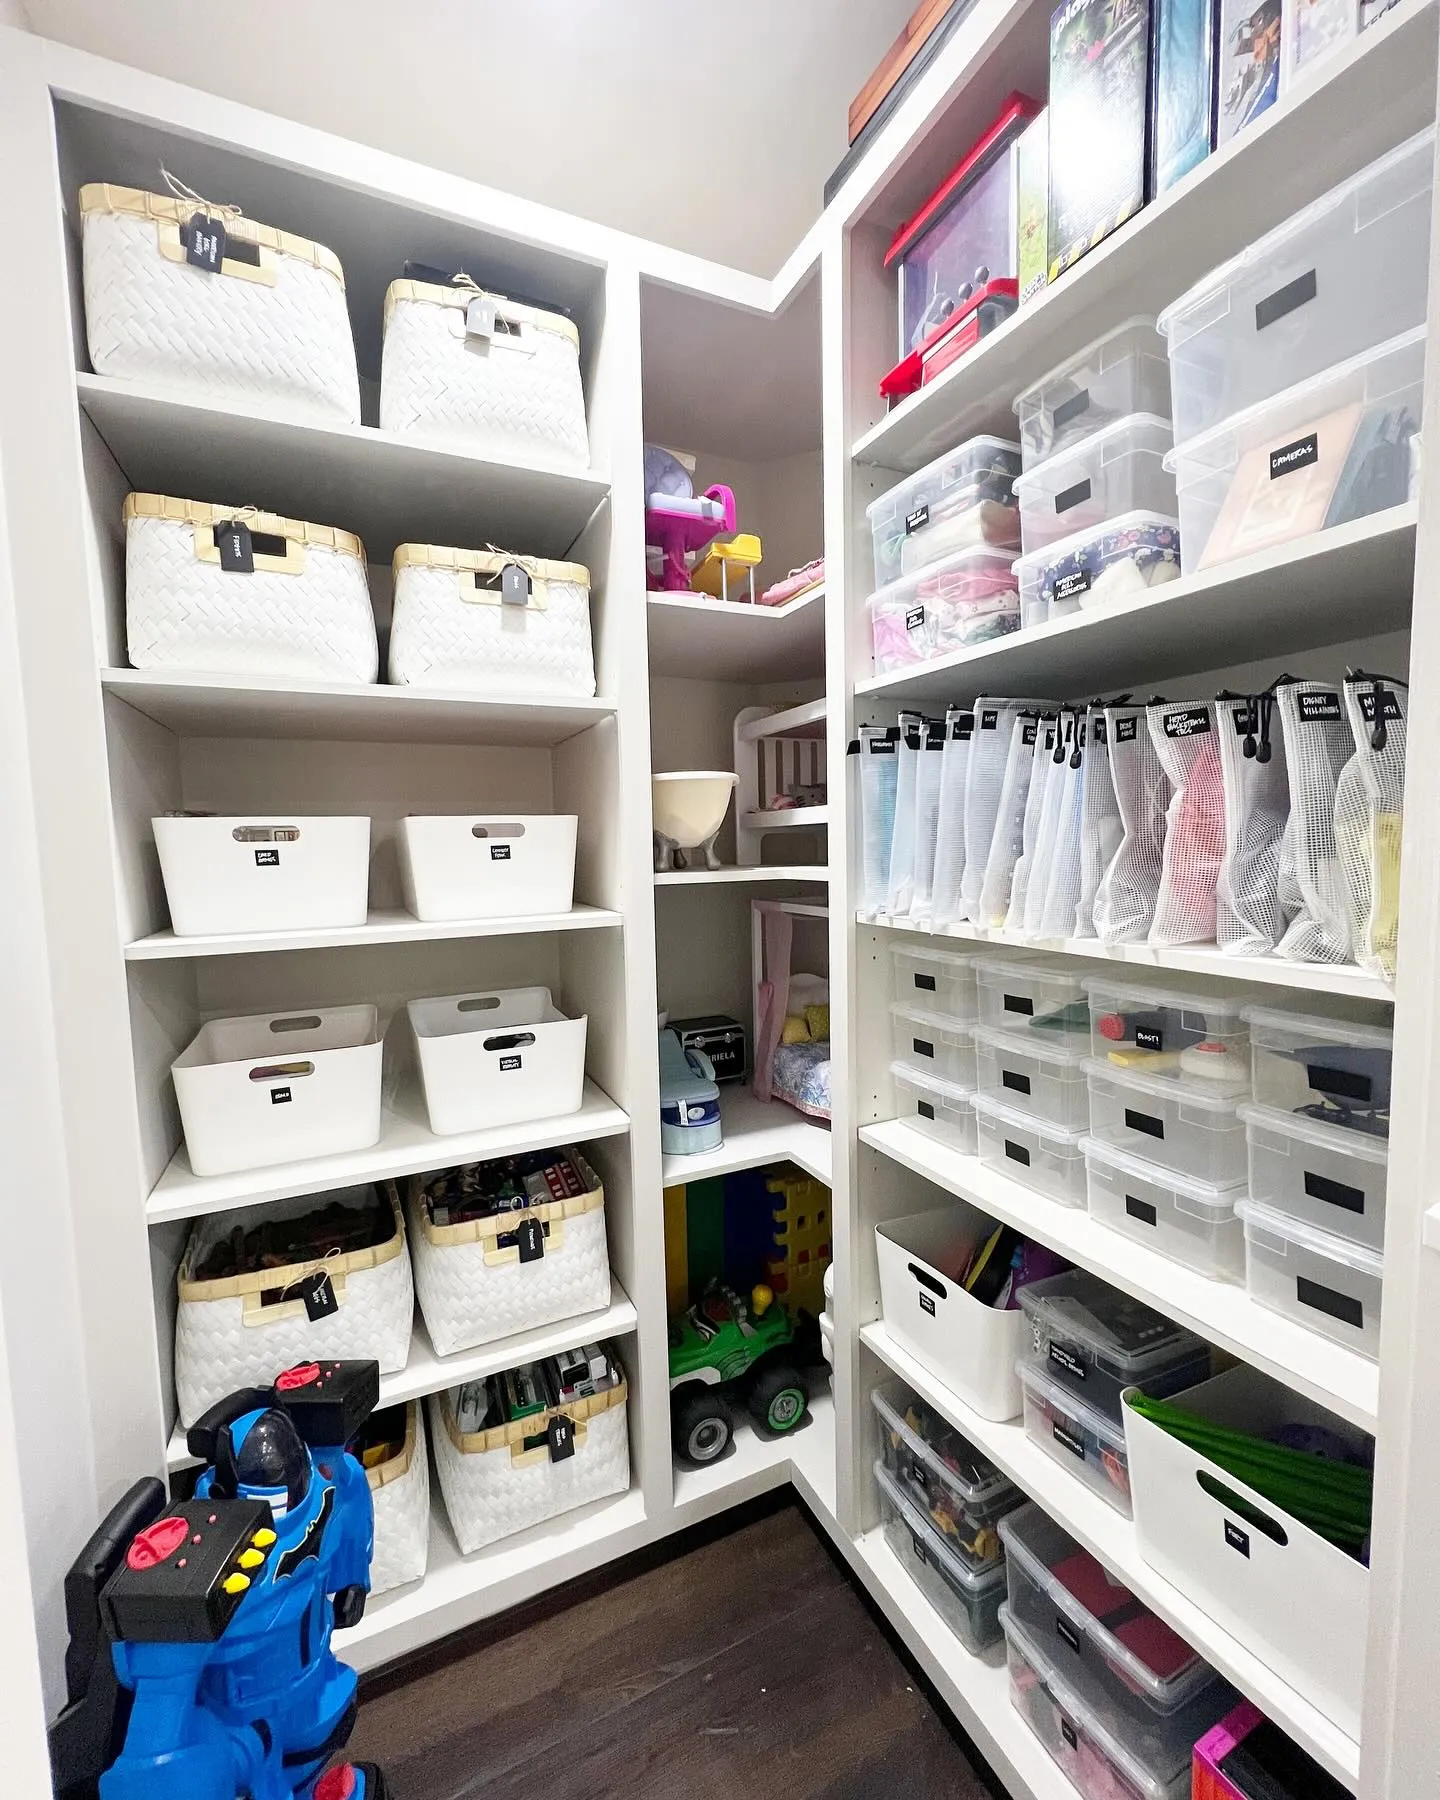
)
(962, 1493)
(1330, 1071)
(499, 1058)
(487, 865)
(1195, 1037)
(275, 872)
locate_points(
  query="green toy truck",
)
(726, 1352)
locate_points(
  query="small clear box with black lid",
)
(958, 1488)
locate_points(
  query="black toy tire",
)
(700, 1426)
(777, 1399)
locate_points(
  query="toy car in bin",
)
(728, 1353)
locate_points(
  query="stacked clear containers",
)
(934, 1006)
(964, 599)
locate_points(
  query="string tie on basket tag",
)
(180, 191)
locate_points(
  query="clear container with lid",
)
(937, 981)
(1192, 1222)
(1183, 1129)
(1329, 1178)
(1335, 279)
(1037, 1075)
(1038, 994)
(965, 599)
(1194, 1036)
(1124, 372)
(1325, 1282)
(940, 1109)
(1118, 560)
(960, 1490)
(933, 1045)
(1041, 1156)
(1117, 470)
(1079, 1438)
(963, 499)
(1330, 1070)
(1096, 1341)
(967, 1599)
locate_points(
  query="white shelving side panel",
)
(1110, 1537)
(756, 1132)
(748, 872)
(754, 1467)
(725, 640)
(1185, 959)
(1225, 1315)
(379, 928)
(405, 1147)
(807, 720)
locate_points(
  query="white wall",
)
(13, 13)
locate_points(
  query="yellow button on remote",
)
(251, 1559)
(236, 1584)
(263, 1538)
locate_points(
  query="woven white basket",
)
(494, 1486)
(512, 393)
(242, 1331)
(305, 612)
(472, 1291)
(272, 333)
(450, 627)
(400, 1492)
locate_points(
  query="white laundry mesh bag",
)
(1187, 743)
(1048, 831)
(1311, 882)
(1062, 887)
(1249, 920)
(879, 764)
(950, 835)
(927, 817)
(984, 782)
(902, 845)
(1040, 772)
(1369, 806)
(1125, 898)
(1101, 830)
(1008, 837)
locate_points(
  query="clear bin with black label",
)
(958, 1488)
(967, 1599)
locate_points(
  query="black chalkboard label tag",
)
(927, 1304)
(1237, 1539)
(205, 243)
(926, 983)
(1147, 1038)
(917, 520)
(318, 1293)
(1069, 1733)
(1315, 707)
(1070, 409)
(917, 1544)
(1141, 1210)
(989, 719)
(508, 1063)
(267, 859)
(914, 618)
(1286, 299)
(281, 1096)
(922, 1047)
(1125, 730)
(925, 1109)
(1067, 1362)
(1067, 1633)
(1367, 707)
(1190, 721)
(1071, 1440)
(1072, 496)
(1017, 1153)
(560, 1435)
(1066, 587)
(237, 549)
(499, 853)
(1144, 1122)
(530, 1239)
(1299, 455)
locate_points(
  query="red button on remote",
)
(300, 1376)
(156, 1544)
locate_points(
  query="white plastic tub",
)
(965, 599)
(1183, 1130)
(1040, 1156)
(1332, 1071)
(498, 1058)
(1119, 560)
(932, 1045)
(1035, 993)
(1192, 1222)
(1124, 372)
(1195, 1037)
(487, 865)
(1080, 1439)
(1327, 1283)
(1116, 470)
(938, 981)
(1327, 1177)
(279, 1087)
(963, 499)
(1043, 1079)
(939, 1109)
(263, 873)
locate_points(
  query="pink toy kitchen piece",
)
(677, 527)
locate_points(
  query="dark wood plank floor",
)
(746, 1665)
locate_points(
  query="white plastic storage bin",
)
(279, 1087)
(967, 1598)
(400, 1494)
(944, 1476)
(1034, 993)
(1334, 280)
(937, 981)
(1325, 1282)
(1124, 372)
(504, 1480)
(263, 872)
(941, 1109)
(488, 623)
(1080, 1439)
(931, 1044)
(242, 1329)
(1327, 1177)
(487, 866)
(267, 328)
(482, 374)
(1329, 452)
(971, 1348)
(1035, 1076)
(1117, 470)
(487, 1278)
(1181, 1129)
(1037, 1155)
(498, 1058)
(966, 599)
(1191, 1222)
(1331, 1071)
(1295, 1600)
(963, 499)
(1195, 1037)
(225, 590)
(1119, 560)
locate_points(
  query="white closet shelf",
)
(755, 1466)
(360, 712)
(1223, 1314)
(379, 928)
(806, 720)
(1110, 1537)
(406, 1147)
(1189, 959)
(389, 489)
(1343, 583)
(1382, 85)
(786, 817)
(727, 640)
(756, 1132)
(426, 1373)
(749, 872)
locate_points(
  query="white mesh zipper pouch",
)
(1248, 917)
(1047, 833)
(1062, 888)
(1007, 840)
(927, 816)
(950, 836)
(1187, 743)
(878, 772)
(984, 781)
(1318, 743)
(1100, 828)
(1125, 899)
(1040, 773)
(1369, 804)
(902, 845)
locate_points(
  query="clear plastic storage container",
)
(941, 1109)
(1328, 452)
(1330, 1178)
(968, 1600)
(1076, 1435)
(945, 1476)
(1040, 1156)
(1124, 372)
(1116, 561)
(938, 981)
(1339, 277)
(1117, 470)
(933, 1045)
(1095, 1342)
(1195, 1036)
(1329, 1070)
(1182, 1129)
(962, 499)
(1043, 1078)
(1319, 1280)
(967, 599)
(1192, 1222)
(1032, 994)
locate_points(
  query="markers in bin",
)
(1005, 1262)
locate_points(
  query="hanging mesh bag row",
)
(1310, 882)
(1042, 749)
(1062, 888)
(984, 782)
(902, 845)
(1007, 840)
(1369, 801)
(1248, 916)
(928, 773)
(1186, 741)
(1042, 860)
(950, 835)
(1101, 829)
(876, 748)
(1125, 899)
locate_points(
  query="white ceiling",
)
(711, 128)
